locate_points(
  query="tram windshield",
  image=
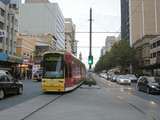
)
(53, 66)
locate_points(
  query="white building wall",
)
(42, 18)
(10, 26)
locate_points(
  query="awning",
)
(3, 57)
(10, 58)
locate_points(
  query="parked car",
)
(114, 78)
(37, 75)
(6, 73)
(132, 77)
(123, 79)
(149, 84)
(8, 85)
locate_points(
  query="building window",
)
(154, 55)
(1, 25)
(8, 17)
(1, 39)
(2, 12)
(158, 43)
(158, 53)
(154, 45)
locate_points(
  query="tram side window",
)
(66, 71)
(70, 70)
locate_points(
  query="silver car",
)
(132, 77)
(123, 79)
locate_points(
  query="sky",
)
(106, 18)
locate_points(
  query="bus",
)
(61, 72)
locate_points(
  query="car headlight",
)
(153, 86)
(121, 80)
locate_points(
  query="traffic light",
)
(90, 60)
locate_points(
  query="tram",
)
(61, 72)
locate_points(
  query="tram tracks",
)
(41, 107)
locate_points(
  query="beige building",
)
(31, 47)
(26, 47)
(155, 55)
(155, 51)
(70, 42)
(144, 26)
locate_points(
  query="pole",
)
(90, 40)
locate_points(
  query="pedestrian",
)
(23, 75)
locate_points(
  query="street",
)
(106, 101)
(31, 89)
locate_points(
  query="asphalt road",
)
(107, 101)
(31, 89)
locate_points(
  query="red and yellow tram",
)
(61, 72)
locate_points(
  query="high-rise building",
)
(125, 35)
(8, 30)
(36, 1)
(70, 36)
(144, 18)
(109, 42)
(43, 18)
(144, 26)
(9, 26)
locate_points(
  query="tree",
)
(121, 54)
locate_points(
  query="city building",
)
(44, 42)
(125, 34)
(36, 1)
(26, 47)
(110, 40)
(155, 56)
(144, 26)
(43, 18)
(31, 47)
(8, 29)
(103, 51)
(70, 42)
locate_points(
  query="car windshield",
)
(131, 76)
(151, 79)
(122, 76)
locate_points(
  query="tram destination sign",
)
(52, 58)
